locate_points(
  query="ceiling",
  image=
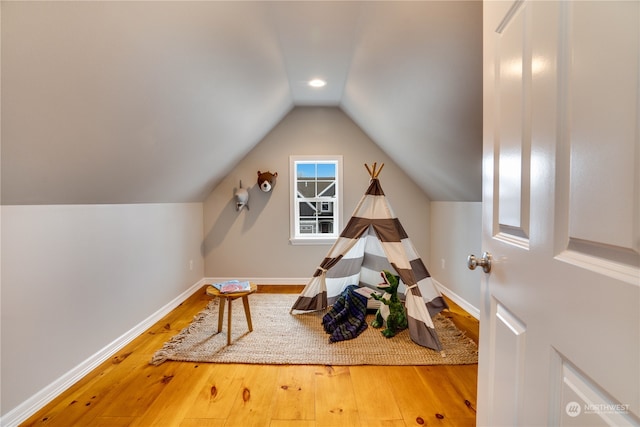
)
(127, 102)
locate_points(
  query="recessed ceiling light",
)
(317, 83)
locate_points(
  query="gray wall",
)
(254, 243)
(77, 277)
(455, 233)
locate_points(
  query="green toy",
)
(392, 311)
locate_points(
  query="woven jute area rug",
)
(280, 338)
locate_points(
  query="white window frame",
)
(297, 238)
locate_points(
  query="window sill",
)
(313, 241)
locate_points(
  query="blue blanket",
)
(346, 319)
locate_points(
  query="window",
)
(316, 199)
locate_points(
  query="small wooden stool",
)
(211, 291)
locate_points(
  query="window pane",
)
(326, 189)
(306, 170)
(326, 226)
(307, 228)
(307, 210)
(306, 188)
(327, 170)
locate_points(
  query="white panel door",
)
(560, 317)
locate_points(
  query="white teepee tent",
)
(374, 240)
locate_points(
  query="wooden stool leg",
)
(229, 322)
(220, 312)
(247, 311)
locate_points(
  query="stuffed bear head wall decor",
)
(266, 180)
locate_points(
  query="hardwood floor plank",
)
(449, 404)
(292, 423)
(136, 393)
(280, 289)
(203, 422)
(89, 396)
(176, 395)
(384, 423)
(464, 378)
(411, 394)
(218, 394)
(335, 398)
(254, 398)
(375, 399)
(294, 397)
(112, 422)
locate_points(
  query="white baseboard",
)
(261, 280)
(464, 304)
(47, 394)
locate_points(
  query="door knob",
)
(484, 262)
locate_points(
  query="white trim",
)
(313, 241)
(36, 402)
(261, 280)
(464, 304)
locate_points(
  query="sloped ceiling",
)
(127, 102)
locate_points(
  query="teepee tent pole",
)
(373, 171)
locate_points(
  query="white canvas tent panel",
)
(365, 260)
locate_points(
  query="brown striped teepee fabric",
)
(374, 240)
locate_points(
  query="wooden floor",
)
(127, 391)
